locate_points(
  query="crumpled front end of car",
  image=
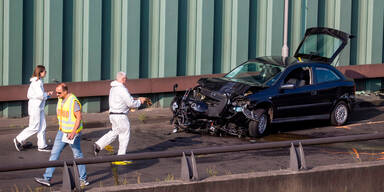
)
(205, 109)
(198, 104)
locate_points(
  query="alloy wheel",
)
(341, 114)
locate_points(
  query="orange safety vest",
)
(66, 115)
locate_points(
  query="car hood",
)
(225, 86)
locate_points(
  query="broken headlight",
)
(237, 108)
(239, 104)
(174, 106)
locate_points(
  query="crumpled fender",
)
(253, 115)
(350, 99)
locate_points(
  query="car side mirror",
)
(287, 86)
(175, 87)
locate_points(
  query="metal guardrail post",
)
(76, 177)
(293, 160)
(296, 158)
(302, 157)
(189, 168)
(184, 168)
(195, 175)
(71, 180)
(67, 184)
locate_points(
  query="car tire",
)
(259, 127)
(339, 114)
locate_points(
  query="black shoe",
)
(96, 149)
(45, 149)
(18, 145)
(43, 181)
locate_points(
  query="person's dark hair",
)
(63, 86)
(38, 70)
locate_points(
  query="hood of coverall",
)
(33, 79)
(116, 84)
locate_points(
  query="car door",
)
(296, 101)
(327, 85)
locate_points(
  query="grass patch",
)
(138, 174)
(169, 177)
(142, 117)
(212, 171)
(228, 172)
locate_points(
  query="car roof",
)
(281, 61)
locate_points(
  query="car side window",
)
(299, 77)
(325, 75)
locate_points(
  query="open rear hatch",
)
(322, 44)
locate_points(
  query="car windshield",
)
(256, 73)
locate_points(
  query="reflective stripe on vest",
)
(66, 115)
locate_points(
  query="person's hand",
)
(142, 99)
(149, 102)
(71, 135)
(49, 93)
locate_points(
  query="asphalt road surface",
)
(150, 131)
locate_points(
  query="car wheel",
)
(340, 113)
(259, 127)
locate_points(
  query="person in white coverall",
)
(36, 103)
(120, 101)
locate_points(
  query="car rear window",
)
(322, 45)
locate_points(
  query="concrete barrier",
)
(365, 176)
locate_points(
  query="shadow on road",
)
(355, 117)
(115, 171)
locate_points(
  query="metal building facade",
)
(89, 40)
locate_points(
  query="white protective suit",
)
(120, 101)
(36, 103)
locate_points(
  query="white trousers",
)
(121, 128)
(37, 124)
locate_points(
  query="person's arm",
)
(129, 100)
(77, 123)
(47, 94)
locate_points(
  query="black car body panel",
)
(266, 90)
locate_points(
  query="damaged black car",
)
(271, 89)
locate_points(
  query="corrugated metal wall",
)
(86, 40)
